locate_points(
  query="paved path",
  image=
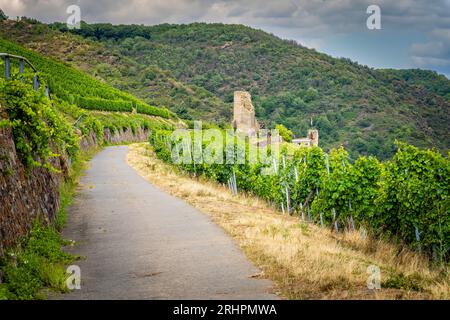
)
(141, 243)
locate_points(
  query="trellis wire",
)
(351, 217)
(327, 164)
(352, 223)
(288, 201)
(234, 182)
(177, 151)
(363, 233)
(419, 246)
(192, 151)
(286, 206)
(336, 226)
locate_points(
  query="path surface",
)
(141, 243)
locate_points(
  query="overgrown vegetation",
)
(36, 263)
(39, 130)
(45, 128)
(284, 132)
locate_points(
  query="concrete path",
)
(141, 243)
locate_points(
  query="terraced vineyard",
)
(79, 106)
(76, 87)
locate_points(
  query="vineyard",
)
(75, 87)
(405, 199)
(43, 128)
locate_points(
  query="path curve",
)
(141, 243)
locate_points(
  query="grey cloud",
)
(443, 34)
(430, 62)
(340, 16)
(438, 49)
(434, 53)
(282, 9)
(305, 19)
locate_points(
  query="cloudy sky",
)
(413, 34)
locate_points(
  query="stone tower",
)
(244, 118)
(313, 135)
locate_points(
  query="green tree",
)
(284, 132)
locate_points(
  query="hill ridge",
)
(362, 108)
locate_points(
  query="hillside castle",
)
(244, 120)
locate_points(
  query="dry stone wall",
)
(24, 197)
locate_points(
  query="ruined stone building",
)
(312, 139)
(244, 118)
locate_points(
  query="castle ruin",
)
(312, 139)
(244, 118)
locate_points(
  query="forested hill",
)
(430, 80)
(194, 69)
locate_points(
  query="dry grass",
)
(304, 260)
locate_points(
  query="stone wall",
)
(25, 197)
(117, 137)
(125, 136)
